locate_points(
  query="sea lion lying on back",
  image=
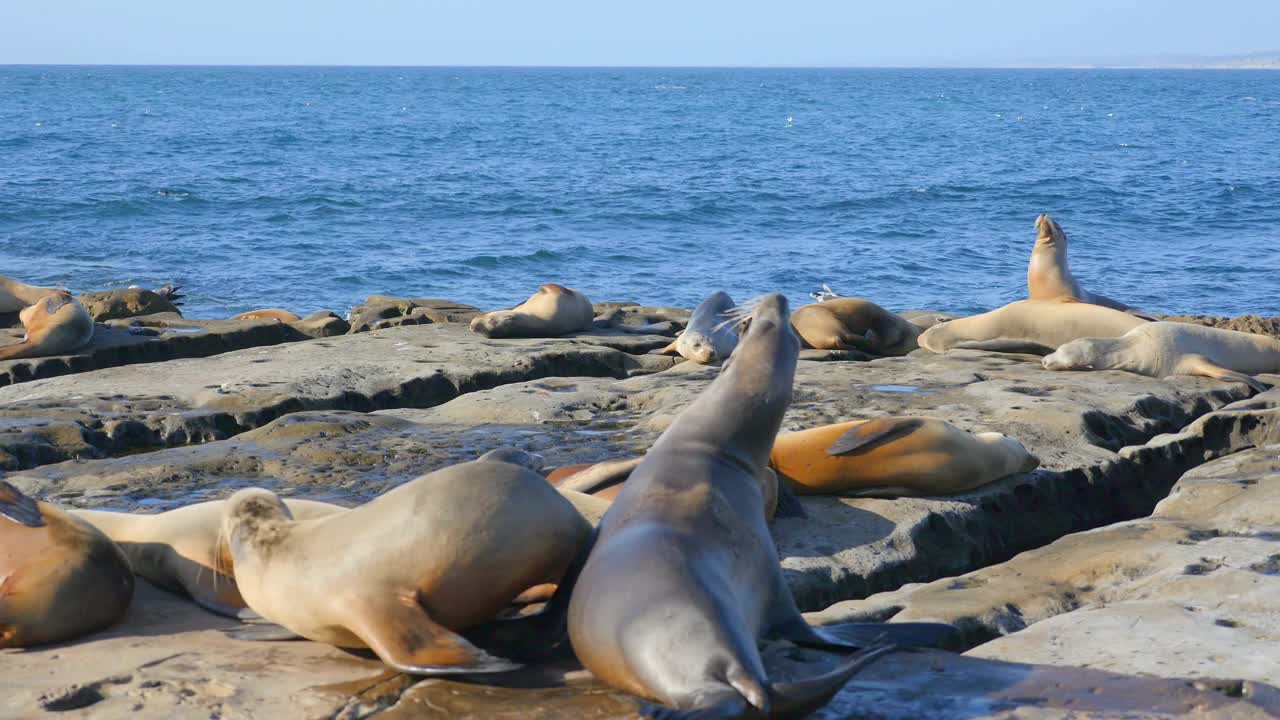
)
(1048, 275)
(16, 295)
(552, 311)
(711, 335)
(1029, 326)
(56, 324)
(59, 576)
(848, 323)
(1161, 349)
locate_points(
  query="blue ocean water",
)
(310, 188)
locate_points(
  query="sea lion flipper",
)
(18, 507)
(788, 504)
(865, 634)
(262, 632)
(401, 633)
(1006, 345)
(668, 350)
(600, 476)
(1201, 365)
(801, 698)
(875, 430)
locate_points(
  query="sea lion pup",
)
(1049, 276)
(684, 578)
(848, 323)
(711, 335)
(268, 314)
(403, 573)
(59, 576)
(16, 295)
(895, 456)
(179, 551)
(552, 311)
(1030, 326)
(55, 324)
(1161, 349)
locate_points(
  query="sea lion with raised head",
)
(1161, 349)
(552, 311)
(268, 314)
(1048, 275)
(684, 579)
(405, 572)
(1029, 326)
(849, 323)
(55, 324)
(60, 577)
(179, 550)
(895, 456)
(15, 295)
(711, 333)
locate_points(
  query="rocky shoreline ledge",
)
(1134, 574)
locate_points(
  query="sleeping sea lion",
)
(895, 456)
(1030, 326)
(403, 573)
(1048, 275)
(1161, 349)
(268, 314)
(59, 576)
(178, 550)
(56, 324)
(684, 580)
(16, 295)
(849, 323)
(552, 311)
(711, 334)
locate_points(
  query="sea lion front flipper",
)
(398, 629)
(875, 430)
(668, 350)
(18, 507)
(602, 475)
(262, 632)
(1006, 345)
(1201, 365)
(858, 635)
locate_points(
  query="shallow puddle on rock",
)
(450, 699)
(896, 388)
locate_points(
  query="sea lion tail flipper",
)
(1006, 345)
(872, 431)
(170, 292)
(262, 632)
(802, 698)
(398, 629)
(1201, 365)
(19, 507)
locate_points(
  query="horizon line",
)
(1009, 66)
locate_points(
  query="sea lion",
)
(268, 314)
(552, 311)
(59, 576)
(711, 334)
(403, 573)
(15, 295)
(897, 456)
(179, 551)
(684, 579)
(1048, 275)
(55, 324)
(1032, 326)
(849, 323)
(1161, 349)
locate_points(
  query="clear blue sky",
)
(612, 32)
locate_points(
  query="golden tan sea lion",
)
(56, 324)
(1161, 349)
(552, 311)
(268, 314)
(1048, 274)
(16, 295)
(1033, 326)
(684, 579)
(898, 456)
(849, 323)
(178, 550)
(59, 576)
(405, 572)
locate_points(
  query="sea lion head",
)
(47, 305)
(698, 347)
(1021, 459)
(1079, 354)
(494, 324)
(514, 456)
(1048, 232)
(253, 518)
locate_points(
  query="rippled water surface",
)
(309, 188)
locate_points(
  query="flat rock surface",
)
(174, 337)
(1188, 592)
(122, 409)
